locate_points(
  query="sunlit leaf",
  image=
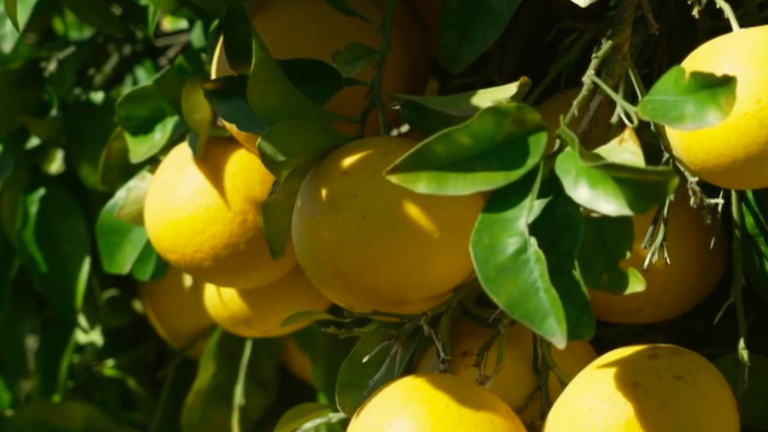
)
(196, 110)
(300, 414)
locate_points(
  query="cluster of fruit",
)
(366, 244)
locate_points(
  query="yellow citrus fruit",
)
(559, 104)
(734, 153)
(296, 361)
(646, 388)
(369, 244)
(434, 402)
(675, 288)
(174, 307)
(259, 312)
(515, 381)
(204, 216)
(313, 29)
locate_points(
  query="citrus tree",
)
(383, 215)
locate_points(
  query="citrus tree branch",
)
(728, 11)
(375, 96)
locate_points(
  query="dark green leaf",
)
(689, 101)
(497, 146)
(88, 128)
(467, 28)
(354, 58)
(208, 406)
(277, 210)
(227, 95)
(149, 265)
(293, 143)
(22, 89)
(237, 32)
(752, 405)
(140, 110)
(610, 243)
(316, 80)
(98, 14)
(120, 243)
(755, 243)
(114, 167)
(6, 164)
(613, 189)
(143, 147)
(379, 357)
(170, 82)
(559, 231)
(53, 358)
(69, 416)
(295, 417)
(214, 7)
(56, 240)
(19, 325)
(510, 265)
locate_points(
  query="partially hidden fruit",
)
(646, 388)
(672, 289)
(559, 104)
(734, 153)
(369, 244)
(296, 360)
(174, 307)
(204, 216)
(515, 381)
(260, 312)
(436, 403)
(313, 29)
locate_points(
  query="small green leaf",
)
(120, 243)
(689, 101)
(277, 211)
(6, 164)
(56, 239)
(294, 143)
(432, 114)
(53, 358)
(11, 9)
(209, 404)
(317, 80)
(609, 188)
(354, 58)
(467, 28)
(610, 242)
(196, 110)
(237, 32)
(496, 147)
(114, 168)
(143, 147)
(625, 149)
(227, 95)
(752, 405)
(22, 90)
(510, 265)
(69, 416)
(98, 14)
(295, 417)
(379, 357)
(559, 231)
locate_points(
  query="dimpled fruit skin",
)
(174, 307)
(675, 288)
(367, 243)
(734, 153)
(646, 388)
(259, 312)
(434, 403)
(204, 217)
(515, 381)
(313, 29)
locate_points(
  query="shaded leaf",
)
(237, 32)
(354, 58)
(328, 352)
(98, 14)
(755, 242)
(227, 96)
(610, 242)
(6, 396)
(496, 147)
(317, 80)
(343, 7)
(140, 110)
(752, 405)
(689, 101)
(306, 316)
(559, 232)
(114, 167)
(277, 211)
(69, 416)
(510, 265)
(467, 28)
(53, 358)
(295, 417)
(22, 89)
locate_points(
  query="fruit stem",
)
(728, 11)
(737, 293)
(482, 355)
(374, 95)
(622, 105)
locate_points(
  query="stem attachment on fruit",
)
(728, 11)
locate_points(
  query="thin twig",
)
(728, 11)
(375, 97)
(653, 27)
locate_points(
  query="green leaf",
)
(510, 265)
(140, 110)
(119, 242)
(13, 22)
(379, 357)
(196, 110)
(277, 211)
(227, 95)
(69, 416)
(317, 80)
(272, 96)
(6, 396)
(237, 32)
(53, 358)
(6, 164)
(114, 168)
(496, 147)
(752, 405)
(559, 232)
(689, 101)
(56, 239)
(609, 188)
(432, 114)
(11, 9)
(98, 14)
(328, 352)
(143, 147)
(343, 7)
(208, 406)
(295, 417)
(467, 28)
(22, 90)
(88, 128)
(755, 243)
(294, 143)
(625, 149)
(149, 265)
(610, 243)
(354, 58)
